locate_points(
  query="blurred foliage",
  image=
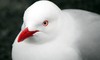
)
(90, 5)
(11, 16)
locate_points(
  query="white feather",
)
(70, 35)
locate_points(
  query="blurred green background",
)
(11, 16)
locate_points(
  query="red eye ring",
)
(45, 23)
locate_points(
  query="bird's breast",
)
(52, 51)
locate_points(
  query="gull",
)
(49, 33)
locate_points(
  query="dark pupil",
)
(45, 23)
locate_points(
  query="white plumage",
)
(70, 34)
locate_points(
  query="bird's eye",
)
(45, 23)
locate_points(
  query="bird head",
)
(40, 22)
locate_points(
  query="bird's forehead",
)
(37, 15)
(33, 17)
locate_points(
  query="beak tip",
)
(19, 40)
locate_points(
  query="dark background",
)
(11, 16)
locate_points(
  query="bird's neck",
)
(68, 29)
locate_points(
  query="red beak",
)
(25, 34)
